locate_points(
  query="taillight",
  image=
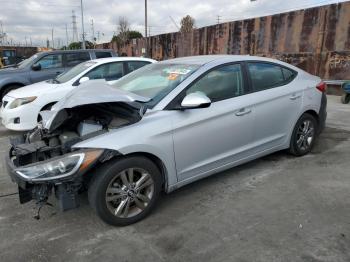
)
(322, 87)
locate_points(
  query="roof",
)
(76, 51)
(124, 58)
(204, 59)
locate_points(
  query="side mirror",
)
(195, 100)
(83, 79)
(36, 67)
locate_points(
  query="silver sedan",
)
(164, 126)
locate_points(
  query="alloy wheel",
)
(129, 192)
(305, 135)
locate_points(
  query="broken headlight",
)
(60, 167)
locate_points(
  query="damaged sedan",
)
(162, 127)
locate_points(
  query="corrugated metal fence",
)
(315, 39)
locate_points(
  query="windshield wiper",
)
(55, 81)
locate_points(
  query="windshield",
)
(27, 61)
(70, 74)
(155, 81)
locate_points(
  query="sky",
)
(32, 21)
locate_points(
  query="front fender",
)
(151, 135)
(7, 80)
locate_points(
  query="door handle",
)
(243, 112)
(294, 97)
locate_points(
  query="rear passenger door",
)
(277, 101)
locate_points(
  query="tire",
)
(304, 135)
(8, 89)
(110, 196)
(345, 98)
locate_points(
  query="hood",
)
(90, 92)
(11, 70)
(32, 90)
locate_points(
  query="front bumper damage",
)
(64, 188)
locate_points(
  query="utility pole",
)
(52, 42)
(93, 31)
(82, 22)
(66, 37)
(75, 28)
(146, 28)
(218, 19)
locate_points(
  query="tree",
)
(134, 34)
(187, 24)
(123, 30)
(78, 45)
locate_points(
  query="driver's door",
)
(51, 66)
(206, 139)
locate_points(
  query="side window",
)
(134, 65)
(221, 83)
(103, 54)
(74, 59)
(289, 75)
(114, 72)
(265, 76)
(51, 61)
(110, 71)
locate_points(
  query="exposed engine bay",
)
(70, 126)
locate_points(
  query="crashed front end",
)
(46, 160)
(40, 169)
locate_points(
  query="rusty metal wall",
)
(316, 40)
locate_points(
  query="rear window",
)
(103, 54)
(134, 65)
(74, 59)
(266, 75)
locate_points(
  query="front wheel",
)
(125, 191)
(304, 135)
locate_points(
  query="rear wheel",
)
(125, 191)
(304, 135)
(345, 98)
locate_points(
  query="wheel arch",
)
(115, 155)
(157, 161)
(313, 113)
(4, 87)
(310, 111)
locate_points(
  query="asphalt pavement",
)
(278, 208)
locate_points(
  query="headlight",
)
(22, 101)
(59, 168)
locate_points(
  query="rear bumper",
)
(323, 113)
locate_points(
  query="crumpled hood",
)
(90, 92)
(32, 90)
